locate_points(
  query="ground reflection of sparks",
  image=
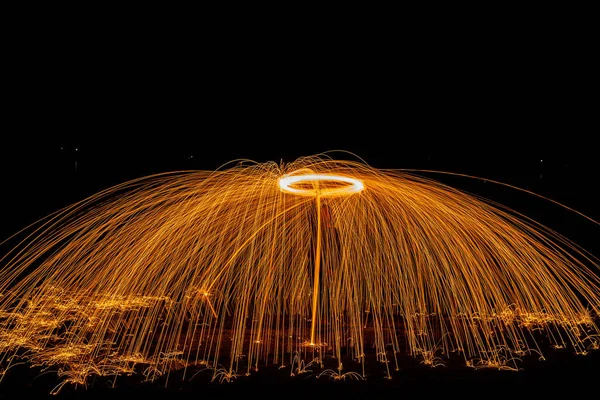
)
(297, 265)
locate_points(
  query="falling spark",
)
(286, 264)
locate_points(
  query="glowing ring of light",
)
(353, 185)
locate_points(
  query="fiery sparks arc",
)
(313, 262)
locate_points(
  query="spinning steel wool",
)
(289, 264)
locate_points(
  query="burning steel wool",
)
(288, 264)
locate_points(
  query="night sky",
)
(41, 178)
(86, 112)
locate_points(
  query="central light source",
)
(317, 186)
(333, 185)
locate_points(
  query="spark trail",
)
(263, 264)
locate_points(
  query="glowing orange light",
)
(350, 185)
(320, 185)
(283, 265)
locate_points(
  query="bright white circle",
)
(286, 184)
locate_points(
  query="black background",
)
(88, 105)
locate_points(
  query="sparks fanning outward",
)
(289, 265)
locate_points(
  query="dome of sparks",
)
(320, 262)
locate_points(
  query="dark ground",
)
(561, 373)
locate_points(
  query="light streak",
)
(350, 185)
(288, 264)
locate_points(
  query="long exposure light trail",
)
(318, 262)
(286, 183)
